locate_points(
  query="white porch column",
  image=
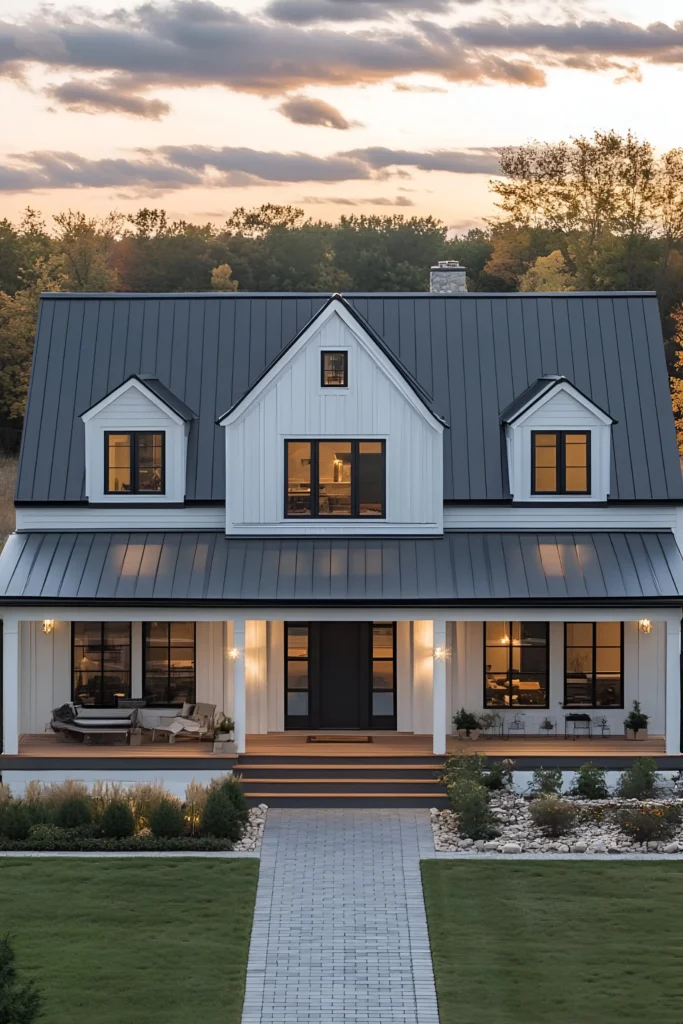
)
(440, 662)
(673, 687)
(239, 683)
(10, 686)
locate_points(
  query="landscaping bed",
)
(640, 816)
(139, 818)
(555, 942)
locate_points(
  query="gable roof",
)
(472, 353)
(152, 384)
(341, 302)
(541, 387)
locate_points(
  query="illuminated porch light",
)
(234, 653)
(645, 626)
(440, 653)
(48, 625)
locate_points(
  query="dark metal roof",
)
(540, 387)
(458, 568)
(473, 354)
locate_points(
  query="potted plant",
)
(223, 735)
(635, 723)
(466, 724)
(547, 726)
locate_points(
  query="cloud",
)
(169, 168)
(307, 12)
(190, 43)
(85, 97)
(308, 110)
(345, 201)
(407, 87)
(454, 161)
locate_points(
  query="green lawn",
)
(562, 943)
(132, 941)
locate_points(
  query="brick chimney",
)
(447, 278)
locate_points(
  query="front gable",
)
(289, 402)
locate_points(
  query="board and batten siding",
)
(373, 407)
(129, 411)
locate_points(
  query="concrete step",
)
(286, 798)
(336, 772)
(346, 785)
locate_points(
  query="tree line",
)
(600, 213)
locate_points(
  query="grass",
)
(563, 943)
(132, 941)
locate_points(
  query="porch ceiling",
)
(467, 568)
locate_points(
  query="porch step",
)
(291, 781)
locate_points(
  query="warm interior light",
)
(645, 626)
(505, 639)
(48, 625)
(234, 653)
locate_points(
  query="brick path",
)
(340, 934)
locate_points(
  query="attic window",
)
(560, 462)
(334, 369)
(134, 463)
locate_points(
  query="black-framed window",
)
(560, 462)
(134, 462)
(169, 662)
(335, 479)
(594, 664)
(383, 670)
(297, 671)
(334, 369)
(515, 664)
(100, 657)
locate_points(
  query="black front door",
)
(343, 676)
(340, 675)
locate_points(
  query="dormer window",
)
(560, 462)
(334, 369)
(134, 463)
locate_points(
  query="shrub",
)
(20, 1002)
(640, 780)
(465, 720)
(74, 812)
(553, 816)
(470, 803)
(590, 782)
(5, 794)
(46, 837)
(102, 794)
(233, 788)
(546, 781)
(460, 766)
(636, 719)
(116, 820)
(144, 799)
(219, 817)
(15, 820)
(498, 775)
(168, 820)
(649, 822)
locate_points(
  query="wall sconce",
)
(48, 625)
(234, 653)
(645, 626)
(440, 653)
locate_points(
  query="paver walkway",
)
(340, 932)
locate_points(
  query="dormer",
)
(136, 445)
(558, 444)
(334, 437)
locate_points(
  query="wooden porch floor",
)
(383, 744)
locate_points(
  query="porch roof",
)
(466, 568)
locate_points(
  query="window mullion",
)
(133, 463)
(314, 479)
(355, 448)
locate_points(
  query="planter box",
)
(226, 746)
(135, 739)
(475, 733)
(640, 735)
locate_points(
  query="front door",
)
(340, 675)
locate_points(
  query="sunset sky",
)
(338, 106)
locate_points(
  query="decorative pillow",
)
(188, 711)
(65, 713)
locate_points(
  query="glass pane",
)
(545, 480)
(334, 369)
(297, 641)
(298, 478)
(297, 675)
(533, 634)
(182, 633)
(87, 659)
(382, 704)
(497, 690)
(497, 633)
(182, 658)
(529, 690)
(531, 659)
(87, 687)
(608, 659)
(579, 691)
(157, 633)
(117, 633)
(608, 691)
(579, 661)
(608, 634)
(88, 634)
(150, 462)
(575, 450)
(579, 634)
(382, 675)
(382, 640)
(575, 479)
(334, 478)
(297, 703)
(156, 659)
(156, 687)
(546, 458)
(115, 685)
(497, 659)
(116, 659)
(119, 462)
(371, 475)
(182, 687)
